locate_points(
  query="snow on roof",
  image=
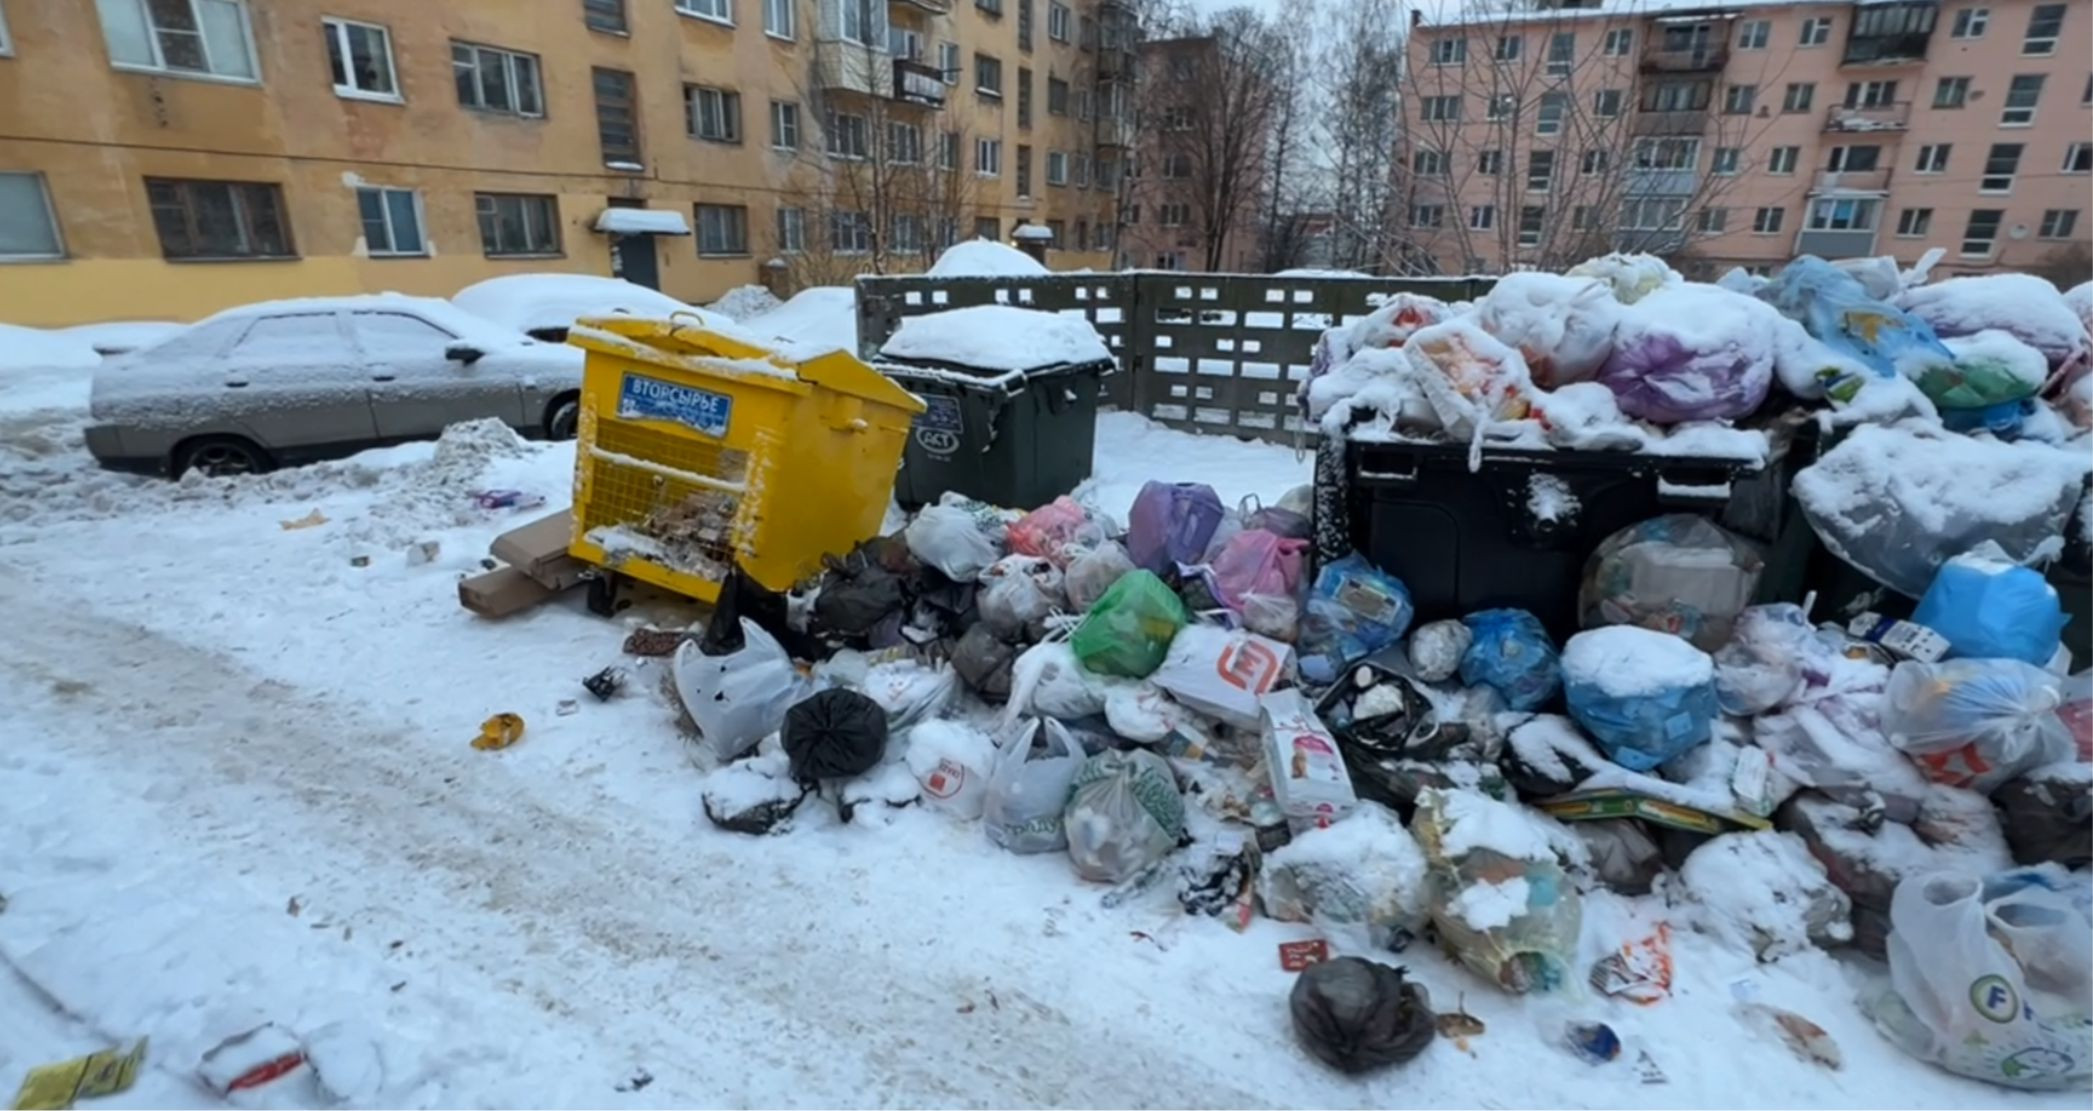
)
(997, 337)
(23, 348)
(465, 325)
(823, 318)
(982, 258)
(533, 302)
(642, 221)
(1032, 231)
(118, 336)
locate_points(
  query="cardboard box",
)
(501, 592)
(539, 550)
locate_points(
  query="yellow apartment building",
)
(169, 158)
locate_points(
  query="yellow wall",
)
(95, 132)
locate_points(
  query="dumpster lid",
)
(684, 342)
(996, 338)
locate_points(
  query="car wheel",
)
(220, 457)
(562, 418)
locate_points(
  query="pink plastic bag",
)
(1258, 562)
(1048, 530)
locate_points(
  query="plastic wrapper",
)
(1691, 352)
(1288, 524)
(1360, 881)
(1355, 1015)
(1047, 680)
(1436, 649)
(1124, 815)
(1223, 673)
(1128, 631)
(1509, 913)
(1680, 574)
(1644, 696)
(1018, 593)
(1562, 326)
(1513, 655)
(1632, 277)
(2047, 815)
(860, 591)
(1258, 562)
(1092, 571)
(908, 690)
(1975, 723)
(1052, 529)
(948, 538)
(1989, 976)
(1171, 523)
(1139, 710)
(1772, 654)
(984, 663)
(1990, 368)
(1624, 856)
(1833, 307)
(739, 698)
(1028, 791)
(1991, 608)
(1354, 610)
(1826, 745)
(1275, 616)
(1469, 377)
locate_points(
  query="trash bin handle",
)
(1391, 476)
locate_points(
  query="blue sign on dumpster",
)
(644, 398)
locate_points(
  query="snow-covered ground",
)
(239, 789)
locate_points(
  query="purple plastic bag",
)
(1691, 353)
(1171, 523)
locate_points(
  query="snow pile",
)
(119, 336)
(1360, 879)
(816, 320)
(1476, 821)
(31, 349)
(984, 258)
(1627, 662)
(1562, 326)
(997, 337)
(2004, 350)
(744, 301)
(544, 304)
(1764, 892)
(1631, 276)
(2021, 304)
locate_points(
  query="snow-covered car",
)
(544, 306)
(285, 382)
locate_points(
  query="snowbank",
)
(824, 318)
(118, 336)
(547, 303)
(982, 258)
(997, 337)
(744, 301)
(33, 349)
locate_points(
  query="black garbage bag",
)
(856, 595)
(1356, 1015)
(2048, 817)
(1547, 755)
(834, 735)
(742, 596)
(984, 662)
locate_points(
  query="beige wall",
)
(95, 132)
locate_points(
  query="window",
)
(1782, 160)
(1581, 218)
(1816, 31)
(604, 15)
(849, 233)
(948, 61)
(1667, 154)
(714, 115)
(1509, 47)
(1933, 158)
(1951, 92)
(1482, 217)
(1427, 215)
(1177, 166)
(1606, 103)
(1501, 105)
(2078, 158)
(723, 229)
(1024, 171)
(494, 80)
(1714, 221)
(1057, 167)
(1024, 97)
(383, 336)
(1619, 42)
(792, 230)
(5, 49)
(2021, 97)
(1799, 97)
(28, 226)
(1737, 99)
(948, 150)
(904, 143)
(1562, 51)
(1531, 219)
(784, 124)
(905, 232)
(1449, 52)
(617, 122)
(2057, 223)
(1595, 161)
(1970, 24)
(1725, 161)
(1058, 19)
(848, 136)
(1442, 109)
(1854, 159)
(1182, 68)
(985, 227)
(1871, 94)
(1133, 214)
(1024, 25)
(1428, 163)
(988, 75)
(360, 55)
(518, 224)
(2085, 99)
(1548, 120)
(1754, 34)
(1913, 223)
(1768, 220)
(1843, 214)
(780, 18)
(1057, 97)
(988, 157)
(1170, 260)
(219, 219)
(2044, 24)
(1079, 171)
(198, 38)
(1540, 171)
(1653, 214)
(1173, 215)
(1999, 167)
(718, 11)
(1982, 231)
(392, 222)
(1489, 162)
(903, 42)
(1678, 96)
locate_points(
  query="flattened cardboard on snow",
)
(539, 549)
(501, 592)
(1608, 802)
(1224, 673)
(1309, 778)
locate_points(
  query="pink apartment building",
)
(1750, 132)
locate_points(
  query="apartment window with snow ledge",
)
(715, 11)
(360, 55)
(392, 222)
(1981, 234)
(210, 39)
(28, 224)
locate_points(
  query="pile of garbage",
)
(1187, 701)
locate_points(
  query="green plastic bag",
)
(1129, 630)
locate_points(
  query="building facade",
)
(1195, 178)
(168, 158)
(1747, 133)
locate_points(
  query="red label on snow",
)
(269, 1070)
(1297, 955)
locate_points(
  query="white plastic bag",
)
(1028, 793)
(1139, 710)
(1093, 571)
(1046, 680)
(1018, 593)
(947, 538)
(1975, 723)
(1223, 673)
(1989, 977)
(908, 691)
(739, 698)
(952, 761)
(1771, 652)
(1124, 815)
(1436, 649)
(1563, 326)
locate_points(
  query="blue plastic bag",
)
(1512, 654)
(1990, 608)
(1355, 610)
(1644, 696)
(1832, 307)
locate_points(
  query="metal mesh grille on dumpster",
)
(641, 500)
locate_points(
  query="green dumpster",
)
(1010, 438)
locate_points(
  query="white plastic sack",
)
(1272, 615)
(1771, 652)
(739, 698)
(1028, 791)
(947, 538)
(1224, 673)
(1562, 326)
(908, 691)
(1092, 572)
(1436, 649)
(1989, 978)
(1824, 745)
(1017, 595)
(953, 762)
(1139, 710)
(1124, 815)
(1975, 723)
(1046, 680)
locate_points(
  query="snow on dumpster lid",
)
(981, 258)
(642, 221)
(997, 337)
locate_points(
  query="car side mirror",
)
(463, 353)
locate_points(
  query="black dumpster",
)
(1010, 438)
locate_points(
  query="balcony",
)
(841, 66)
(1852, 181)
(1887, 50)
(1685, 121)
(916, 83)
(1836, 244)
(1115, 62)
(1637, 182)
(1115, 132)
(1882, 117)
(1890, 34)
(1699, 59)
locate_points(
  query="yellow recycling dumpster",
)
(697, 451)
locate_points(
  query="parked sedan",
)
(544, 305)
(285, 382)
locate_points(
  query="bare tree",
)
(1359, 104)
